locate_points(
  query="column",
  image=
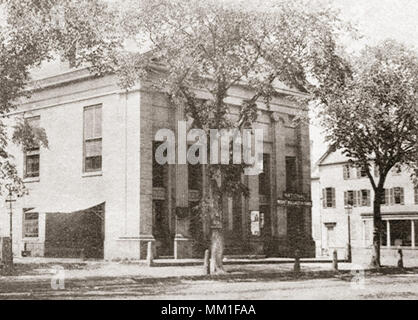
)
(304, 164)
(412, 234)
(256, 243)
(388, 233)
(182, 240)
(279, 181)
(364, 229)
(146, 156)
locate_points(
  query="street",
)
(342, 286)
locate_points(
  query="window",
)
(416, 195)
(32, 155)
(361, 172)
(30, 224)
(328, 198)
(398, 197)
(158, 170)
(415, 222)
(400, 233)
(346, 172)
(93, 138)
(349, 198)
(291, 175)
(364, 198)
(264, 178)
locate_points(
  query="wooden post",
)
(296, 267)
(335, 260)
(400, 260)
(150, 254)
(206, 262)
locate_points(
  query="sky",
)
(376, 20)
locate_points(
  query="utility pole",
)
(10, 200)
(349, 210)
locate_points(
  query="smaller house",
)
(342, 211)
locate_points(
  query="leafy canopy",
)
(373, 117)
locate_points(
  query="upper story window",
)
(93, 138)
(364, 198)
(350, 198)
(361, 172)
(416, 195)
(360, 198)
(394, 196)
(32, 154)
(264, 177)
(158, 170)
(398, 196)
(328, 198)
(30, 224)
(291, 175)
(346, 172)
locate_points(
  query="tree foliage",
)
(34, 31)
(372, 117)
(212, 46)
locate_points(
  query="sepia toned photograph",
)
(228, 150)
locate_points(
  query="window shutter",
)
(368, 198)
(324, 198)
(345, 198)
(386, 197)
(333, 198)
(391, 196)
(402, 196)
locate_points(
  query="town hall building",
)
(97, 191)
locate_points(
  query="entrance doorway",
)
(163, 239)
(295, 229)
(265, 228)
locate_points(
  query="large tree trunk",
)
(214, 202)
(217, 251)
(377, 229)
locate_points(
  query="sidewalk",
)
(34, 269)
(41, 269)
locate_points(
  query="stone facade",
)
(136, 209)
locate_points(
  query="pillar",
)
(279, 181)
(412, 234)
(304, 164)
(146, 156)
(182, 240)
(388, 233)
(255, 241)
